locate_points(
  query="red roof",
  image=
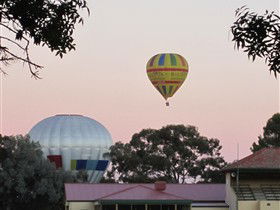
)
(194, 192)
(267, 158)
(140, 192)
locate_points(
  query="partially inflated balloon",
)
(167, 72)
(74, 142)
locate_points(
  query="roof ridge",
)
(120, 191)
(140, 185)
(163, 192)
(249, 157)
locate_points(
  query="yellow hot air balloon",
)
(167, 72)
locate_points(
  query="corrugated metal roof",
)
(195, 192)
(267, 158)
(140, 192)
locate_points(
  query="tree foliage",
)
(45, 22)
(174, 153)
(258, 36)
(271, 134)
(27, 180)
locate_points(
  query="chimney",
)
(160, 185)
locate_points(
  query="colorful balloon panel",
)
(167, 72)
(96, 165)
(74, 142)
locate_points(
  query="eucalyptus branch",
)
(26, 60)
(258, 36)
(3, 72)
(12, 41)
(7, 27)
(12, 30)
(26, 24)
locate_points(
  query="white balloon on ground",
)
(74, 142)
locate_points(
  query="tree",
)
(258, 36)
(45, 22)
(174, 153)
(271, 134)
(27, 180)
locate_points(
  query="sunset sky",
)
(225, 95)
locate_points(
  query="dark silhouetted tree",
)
(174, 153)
(258, 36)
(271, 134)
(27, 180)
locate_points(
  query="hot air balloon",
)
(167, 72)
(74, 142)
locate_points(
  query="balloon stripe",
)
(162, 92)
(164, 89)
(159, 90)
(176, 88)
(167, 69)
(161, 60)
(99, 165)
(182, 60)
(91, 164)
(170, 89)
(152, 60)
(173, 60)
(166, 81)
(102, 165)
(73, 164)
(81, 164)
(56, 159)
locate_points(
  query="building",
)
(252, 183)
(158, 196)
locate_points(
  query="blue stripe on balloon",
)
(99, 165)
(91, 164)
(81, 164)
(164, 89)
(102, 165)
(161, 60)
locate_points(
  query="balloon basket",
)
(167, 103)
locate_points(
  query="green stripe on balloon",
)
(173, 60)
(170, 89)
(73, 164)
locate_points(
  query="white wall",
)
(230, 194)
(248, 205)
(269, 205)
(81, 206)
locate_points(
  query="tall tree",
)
(174, 153)
(27, 180)
(258, 36)
(271, 134)
(43, 22)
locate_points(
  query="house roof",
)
(142, 192)
(265, 159)
(173, 192)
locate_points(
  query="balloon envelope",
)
(74, 142)
(167, 72)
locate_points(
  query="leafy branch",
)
(43, 22)
(7, 56)
(258, 36)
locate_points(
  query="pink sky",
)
(225, 95)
